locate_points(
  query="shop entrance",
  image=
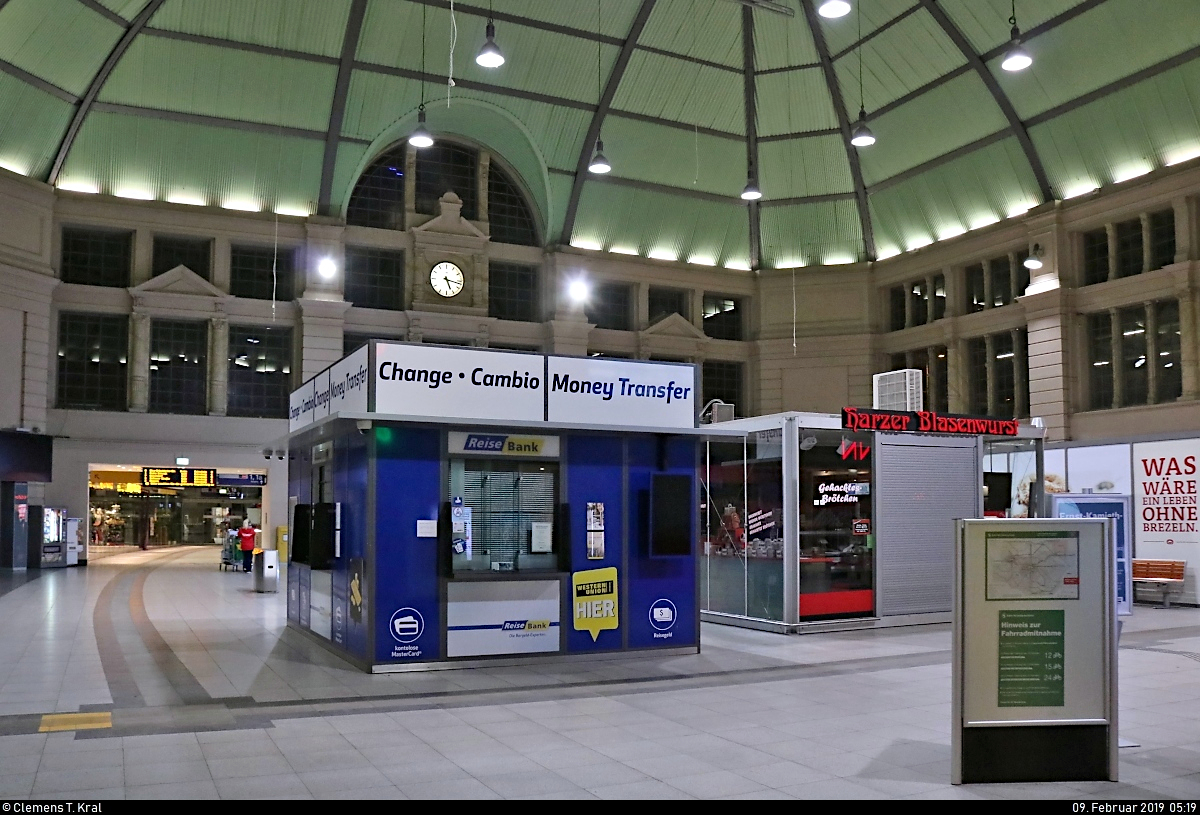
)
(122, 511)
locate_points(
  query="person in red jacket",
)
(246, 544)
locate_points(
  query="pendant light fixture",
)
(421, 137)
(1016, 58)
(599, 164)
(751, 192)
(861, 135)
(834, 9)
(489, 55)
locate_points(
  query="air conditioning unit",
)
(722, 412)
(898, 390)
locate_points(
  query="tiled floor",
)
(211, 697)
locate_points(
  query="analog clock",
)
(446, 279)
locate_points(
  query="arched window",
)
(509, 214)
(378, 199)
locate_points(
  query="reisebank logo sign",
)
(464, 383)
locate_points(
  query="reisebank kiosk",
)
(456, 504)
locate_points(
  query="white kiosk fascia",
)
(1034, 651)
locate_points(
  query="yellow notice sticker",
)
(594, 597)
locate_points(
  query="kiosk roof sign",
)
(926, 421)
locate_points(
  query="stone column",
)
(956, 374)
(218, 365)
(1014, 276)
(955, 278)
(641, 307)
(993, 398)
(1147, 248)
(1051, 379)
(481, 185)
(988, 294)
(936, 385)
(930, 298)
(1111, 231)
(909, 319)
(139, 362)
(1151, 354)
(1020, 365)
(320, 325)
(1114, 319)
(221, 263)
(1189, 337)
(410, 188)
(1185, 228)
(143, 257)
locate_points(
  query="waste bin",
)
(266, 570)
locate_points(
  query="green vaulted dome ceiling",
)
(281, 104)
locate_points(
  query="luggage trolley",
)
(230, 555)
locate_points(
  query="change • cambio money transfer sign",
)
(1166, 518)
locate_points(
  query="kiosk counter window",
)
(512, 506)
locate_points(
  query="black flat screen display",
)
(671, 514)
(26, 456)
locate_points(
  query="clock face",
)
(446, 279)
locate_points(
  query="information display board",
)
(178, 477)
(1034, 687)
(1119, 508)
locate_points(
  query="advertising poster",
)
(1166, 488)
(595, 530)
(594, 601)
(489, 619)
(1116, 507)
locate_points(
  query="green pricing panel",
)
(1032, 646)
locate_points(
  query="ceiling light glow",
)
(890, 252)
(420, 138)
(702, 260)
(583, 243)
(837, 260)
(326, 268)
(134, 193)
(599, 164)
(1180, 156)
(489, 55)
(1018, 210)
(12, 166)
(663, 254)
(186, 198)
(79, 186)
(1082, 189)
(832, 9)
(1131, 171)
(738, 265)
(578, 290)
(1017, 58)
(751, 192)
(984, 220)
(919, 242)
(623, 250)
(951, 232)
(295, 212)
(241, 204)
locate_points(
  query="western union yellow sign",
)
(594, 598)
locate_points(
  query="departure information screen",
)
(178, 477)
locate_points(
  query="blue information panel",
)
(1117, 507)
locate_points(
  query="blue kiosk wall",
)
(389, 585)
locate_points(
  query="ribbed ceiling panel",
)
(709, 31)
(794, 102)
(1122, 135)
(314, 26)
(675, 157)
(1121, 28)
(800, 167)
(211, 81)
(808, 234)
(782, 42)
(126, 8)
(979, 188)
(351, 161)
(61, 41)
(374, 101)
(121, 153)
(616, 216)
(950, 116)
(842, 33)
(912, 53)
(684, 92)
(985, 22)
(29, 122)
(615, 19)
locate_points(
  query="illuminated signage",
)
(178, 477)
(926, 421)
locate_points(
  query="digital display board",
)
(178, 477)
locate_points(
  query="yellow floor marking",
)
(54, 722)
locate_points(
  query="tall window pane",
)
(513, 292)
(1000, 269)
(1100, 367)
(977, 379)
(1169, 378)
(609, 307)
(378, 198)
(260, 371)
(723, 380)
(919, 359)
(92, 351)
(918, 296)
(509, 214)
(96, 257)
(250, 272)
(443, 168)
(1135, 373)
(1095, 256)
(375, 278)
(939, 372)
(665, 302)
(939, 297)
(897, 314)
(1003, 369)
(1129, 248)
(194, 253)
(976, 297)
(178, 367)
(722, 317)
(1162, 238)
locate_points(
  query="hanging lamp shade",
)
(489, 55)
(833, 9)
(599, 164)
(751, 192)
(1016, 58)
(861, 135)
(420, 137)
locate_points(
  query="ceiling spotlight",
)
(420, 137)
(489, 55)
(1034, 261)
(1017, 58)
(861, 135)
(578, 290)
(326, 268)
(751, 192)
(834, 8)
(599, 164)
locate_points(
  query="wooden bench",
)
(1166, 575)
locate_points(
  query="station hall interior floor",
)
(178, 681)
